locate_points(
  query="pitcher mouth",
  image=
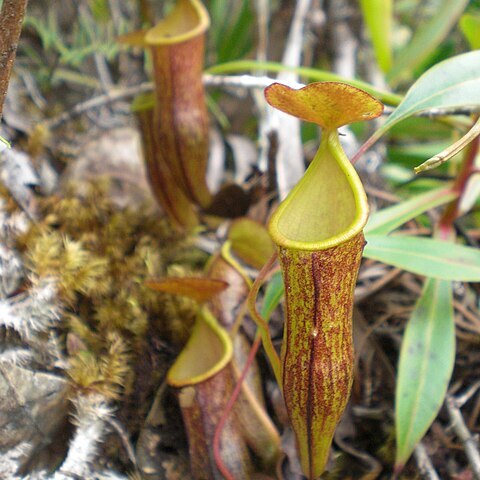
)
(206, 353)
(327, 207)
(187, 20)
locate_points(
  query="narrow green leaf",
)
(426, 362)
(470, 26)
(273, 294)
(426, 256)
(238, 39)
(231, 30)
(388, 219)
(427, 38)
(453, 83)
(378, 18)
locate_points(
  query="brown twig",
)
(424, 463)
(470, 444)
(11, 18)
(100, 101)
(123, 435)
(244, 82)
(364, 291)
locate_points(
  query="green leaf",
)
(273, 294)
(250, 241)
(426, 362)
(231, 28)
(426, 256)
(470, 26)
(388, 219)
(378, 18)
(427, 38)
(453, 83)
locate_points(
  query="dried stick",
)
(11, 18)
(244, 82)
(470, 444)
(123, 435)
(100, 101)
(424, 464)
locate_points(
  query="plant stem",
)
(261, 323)
(11, 19)
(310, 73)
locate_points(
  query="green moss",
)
(77, 270)
(100, 257)
(109, 373)
(122, 312)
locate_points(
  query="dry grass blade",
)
(451, 151)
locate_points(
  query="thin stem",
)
(266, 273)
(310, 73)
(11, 19)
(100, 101)
(261, 323)
(245, 82)
(368, 144)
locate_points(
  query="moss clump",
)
(100, 257)
(109, 372)
(77, 270)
